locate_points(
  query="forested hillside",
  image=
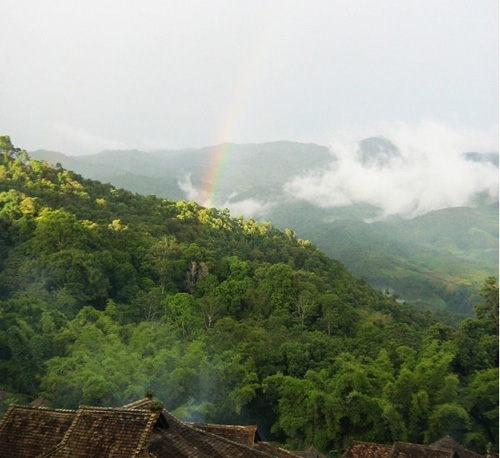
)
(105, 294)
(438, 259)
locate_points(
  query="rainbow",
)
(214, 174)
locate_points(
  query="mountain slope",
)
(438, 258)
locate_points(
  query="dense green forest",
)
(438, 259)
(105, 294)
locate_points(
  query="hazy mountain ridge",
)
(245, 167)
(433, 257)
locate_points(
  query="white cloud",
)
(249, 208)
(188, 188)
(431, 172)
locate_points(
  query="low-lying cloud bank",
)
(405, 169)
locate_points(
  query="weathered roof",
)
(221, 440)
(181, 440)
(141, 404)
(406, 450)
(449, 443)
(275, 451)
(27, 432)
(145, 429)
(246, 435)
(40, 401)
(311, 452)
(367, 450)
(109, 432)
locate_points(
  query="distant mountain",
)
(491, 158)
(377, 150)
(247, 170)
(438, 258)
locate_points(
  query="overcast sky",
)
(80, 76)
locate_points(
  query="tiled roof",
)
(444, 448)
(275, 451)
(181, 440)
(106, 432)
(144, 429)
(449, 443)
(405, 450)
(40, 401)
(27, 432)
(311, 452)
(245, 435)
(367, 450)
(221, 440)
(141, 404)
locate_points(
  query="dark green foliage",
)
(105, 294)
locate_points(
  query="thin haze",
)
(81, 76)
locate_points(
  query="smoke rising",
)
(404, 169)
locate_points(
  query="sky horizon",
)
(80, 77)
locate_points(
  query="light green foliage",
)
(7, 149)
(181, 310)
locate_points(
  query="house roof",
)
(144, 429)
(449, 443)
(311, 452)
(406, 450)
(245, 435)
(110, 432)
(141, 404)
(275, 451)
(225, 437)
(27, 432)
(140, 429)
(187, 440)
(358, 449)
